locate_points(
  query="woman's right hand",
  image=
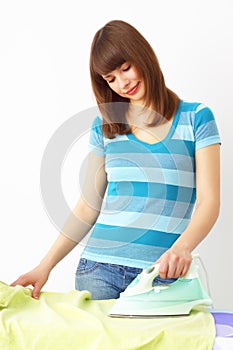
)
(36, 277)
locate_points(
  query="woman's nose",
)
(123, 82)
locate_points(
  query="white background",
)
(44, 80)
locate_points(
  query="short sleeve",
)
(96, 143)
(205, 127)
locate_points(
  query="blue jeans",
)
(106, 281)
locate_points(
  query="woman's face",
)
(127, 82)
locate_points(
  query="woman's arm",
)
(76, 227)
(176, 261)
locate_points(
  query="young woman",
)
(152, 190)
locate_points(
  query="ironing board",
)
(57, 320)
(224, 329)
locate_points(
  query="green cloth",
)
(72, 321)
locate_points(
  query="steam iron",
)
(142, 299)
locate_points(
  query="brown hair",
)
(114, 44)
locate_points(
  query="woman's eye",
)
(110, 81)
(126, 68)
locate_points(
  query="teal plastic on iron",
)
(142, 299)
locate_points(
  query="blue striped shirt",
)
(151, 188)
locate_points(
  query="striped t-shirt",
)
(151, 188)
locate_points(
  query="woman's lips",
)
(133, 90)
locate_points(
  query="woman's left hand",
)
(174, 263)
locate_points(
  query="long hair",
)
(114, 44)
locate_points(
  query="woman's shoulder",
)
(200, 119)
(196, 112)
(97, 120)
(193, 106)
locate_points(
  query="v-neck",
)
(169, 134)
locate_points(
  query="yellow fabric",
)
(72, 321)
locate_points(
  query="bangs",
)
(107, 61)
(108, 55)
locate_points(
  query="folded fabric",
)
(71, 321)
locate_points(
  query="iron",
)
(142, 299)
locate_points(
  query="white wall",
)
(44, 80)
